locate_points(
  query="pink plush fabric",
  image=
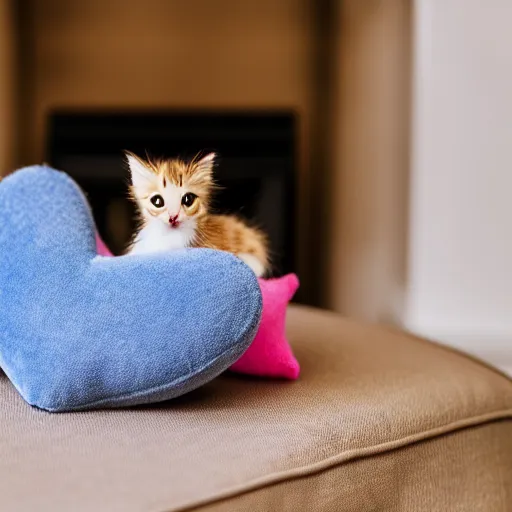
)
(270, 354)
(102, 249)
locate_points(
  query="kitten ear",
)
(140, 173)
(204, 168)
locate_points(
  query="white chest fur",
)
(157, 236)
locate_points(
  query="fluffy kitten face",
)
(171, 191)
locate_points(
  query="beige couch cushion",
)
(378, 421)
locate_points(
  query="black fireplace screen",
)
(255, 171)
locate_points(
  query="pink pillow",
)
(270, 354)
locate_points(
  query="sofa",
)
(378, 421)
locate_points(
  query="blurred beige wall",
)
(230, 54)
(7, 88)
(161, 53)
(365, 262)
(170, 53)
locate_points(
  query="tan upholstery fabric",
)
(458, 472)
(378, 421)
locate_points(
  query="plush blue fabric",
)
(81, 331)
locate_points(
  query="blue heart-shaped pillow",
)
(81, 331)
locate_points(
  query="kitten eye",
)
(157, 200)
(188, 199)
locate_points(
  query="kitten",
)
(172, 197)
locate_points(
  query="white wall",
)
(460, 234)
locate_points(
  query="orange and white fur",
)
(173, 200)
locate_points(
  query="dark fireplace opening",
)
(255, 169)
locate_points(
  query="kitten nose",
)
(173, 221)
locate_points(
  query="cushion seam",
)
(342, 458)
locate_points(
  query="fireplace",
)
(256, 166)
